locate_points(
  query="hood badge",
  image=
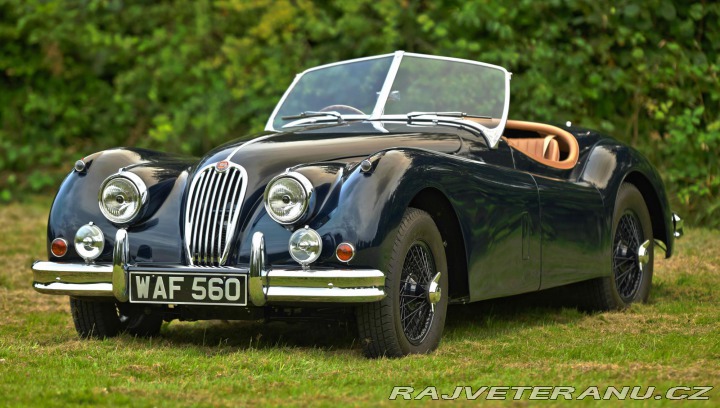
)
(222, 166)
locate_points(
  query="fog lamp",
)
(89, 242)
(305, 246)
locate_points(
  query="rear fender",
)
(610, 164)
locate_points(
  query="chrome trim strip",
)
(121, 255)
(46, 272)
(74, 289)
(322, 295)
(342, 278)
(76, 279)
(241, 181)
(246, 144)
(220, 197)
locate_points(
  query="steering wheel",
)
(339, 108)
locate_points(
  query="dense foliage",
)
(78, 76)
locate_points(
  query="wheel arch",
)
(652, 201)
(435, 203)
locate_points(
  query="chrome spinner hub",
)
(434, 292)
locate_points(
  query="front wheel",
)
(101, 319)
(632, 255)
(411, 318)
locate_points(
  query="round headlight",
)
(305, 246)
(287, 198)
(89, 241)
(121, 197)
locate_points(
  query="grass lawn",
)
(674, 340)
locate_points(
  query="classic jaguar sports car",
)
(393, 185)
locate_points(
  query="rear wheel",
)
(632, 256)
(411, 318)
(100, 319)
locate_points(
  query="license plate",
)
(180, 288)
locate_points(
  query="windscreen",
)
(442, 85)
(349, 89)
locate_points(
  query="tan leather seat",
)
(547, 148)
(553, 147)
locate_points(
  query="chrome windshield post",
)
(387, 85)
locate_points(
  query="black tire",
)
(101, 319)
(629, 283)
(380, 324)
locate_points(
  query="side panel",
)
(498, 210)
(499, 213)
(575, 232)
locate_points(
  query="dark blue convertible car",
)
(391, 185)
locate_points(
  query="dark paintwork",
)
(524, 226)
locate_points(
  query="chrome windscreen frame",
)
(491, 135)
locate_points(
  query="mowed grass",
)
(674, 340)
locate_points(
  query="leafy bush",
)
(83, 75)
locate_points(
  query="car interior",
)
(546, 144)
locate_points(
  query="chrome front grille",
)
(211, 214)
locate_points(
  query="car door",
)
(502, 224)
(574, 236)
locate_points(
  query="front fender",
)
(362, 208)
(155, 236)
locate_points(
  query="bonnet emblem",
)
(222, 166)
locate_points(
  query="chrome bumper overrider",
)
(265, 285)
(678, 225)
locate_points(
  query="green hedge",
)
(183, 76)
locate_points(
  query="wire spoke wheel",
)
(411, 317)
(626, 265)
(416, 312)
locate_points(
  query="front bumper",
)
(265, 285)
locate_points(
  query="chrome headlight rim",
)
(309, 195)
(141, 190)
